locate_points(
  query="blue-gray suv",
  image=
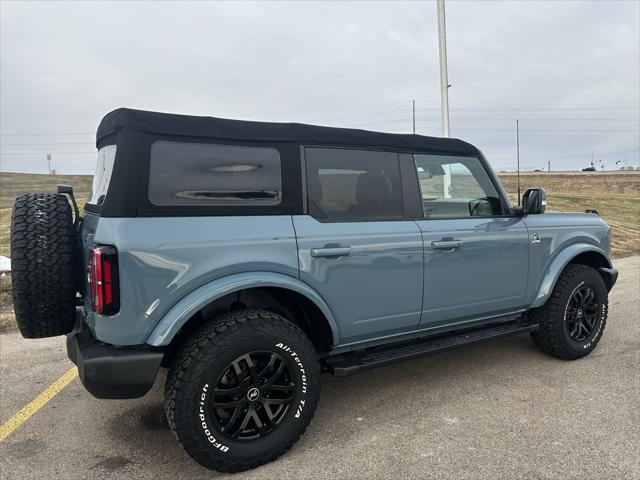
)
(248, 258)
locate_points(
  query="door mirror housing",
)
(534, 201)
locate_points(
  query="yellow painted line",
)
(40, 401)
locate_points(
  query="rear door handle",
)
(446, 244)
(331, 252)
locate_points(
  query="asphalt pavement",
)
(498, 410)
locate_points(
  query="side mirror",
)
(534, 201)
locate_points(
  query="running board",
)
(353, 362)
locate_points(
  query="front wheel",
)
(572, 321)
(242, 390)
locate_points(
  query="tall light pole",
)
(444, 90)
(414, 117)
(444, 78)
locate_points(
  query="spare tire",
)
(43, 255)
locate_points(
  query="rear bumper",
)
(110, 372)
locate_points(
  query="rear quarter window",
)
(102, 177)
(214, 174)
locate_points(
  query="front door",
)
(355, 247)
(476, 255)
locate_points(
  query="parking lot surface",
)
(495, 410)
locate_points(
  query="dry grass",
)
(616, 197)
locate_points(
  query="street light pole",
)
(414, 117)
(444, 79)
(444, 91)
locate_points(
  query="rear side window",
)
(102, 177)
(348, 184)
(214, 174)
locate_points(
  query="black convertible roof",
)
(219, 128)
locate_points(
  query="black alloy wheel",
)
(582, 313)
(252, 395)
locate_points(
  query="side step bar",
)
(353, 362)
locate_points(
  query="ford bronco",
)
(249, 257)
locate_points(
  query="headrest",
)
(373, 188)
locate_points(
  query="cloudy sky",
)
(570, 71)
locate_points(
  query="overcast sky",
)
(570, 71)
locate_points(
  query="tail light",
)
(103, 280)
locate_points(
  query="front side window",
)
(214, 174)
(347, 184)
(455, 187)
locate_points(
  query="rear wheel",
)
(573, 319)
(242, 390)
(43, 252)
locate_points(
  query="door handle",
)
(450, 245)
(331, 252)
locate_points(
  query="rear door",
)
(476, 255)
(356, 247)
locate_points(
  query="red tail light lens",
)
(103, 280)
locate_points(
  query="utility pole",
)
(444, 90)
(414, 117)
(518, 155)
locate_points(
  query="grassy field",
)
(615, 196)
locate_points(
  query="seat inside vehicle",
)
(373, 194)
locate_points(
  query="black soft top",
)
(219, 128)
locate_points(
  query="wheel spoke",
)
(228, 391)
(276, 374)
(277, 401)
(590, 321)
(243, 424)
(232, 404)
(281, 388)
(266, 405)
(584, 329)
(232, 419)
(268, 367)
(574, 330)
(588, 297)
(579, 298)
